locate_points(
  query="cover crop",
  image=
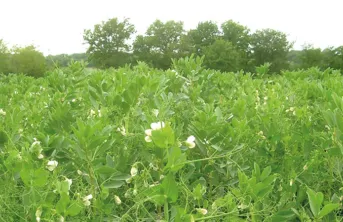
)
(188, 144)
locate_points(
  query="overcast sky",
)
(56, 26)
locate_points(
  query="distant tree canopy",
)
(25, 60)
(108, 42)
(228, 47)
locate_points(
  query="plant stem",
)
(166, 211)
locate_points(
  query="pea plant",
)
(185, 144)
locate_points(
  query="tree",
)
(333, 58)
(310, 57)
(222, 55)
(240, 38)
(204, 35)
(108, 42)
(4, 57)
(237, 34)
(28, 60)
(270, 46)
(161, 43)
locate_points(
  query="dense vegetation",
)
(187, 144)
(229, 47)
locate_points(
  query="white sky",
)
(56, 26)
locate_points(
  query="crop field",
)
(185, 144)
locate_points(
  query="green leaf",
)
(62, 204)
(40, 177)
(25, 175)
(176, 159)
(163, 138)
(257, 171)
(170, 188)
(120, 176)
(315, 200)
(109, 161)
(62, 186)
(113, 184)
(74, 208)
(283, 215)
(197, 192)
(105, 170)
(328, 208)
(266, 172)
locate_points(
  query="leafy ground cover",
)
(188, 144)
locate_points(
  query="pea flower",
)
(86, 199)
(202, 211)
(305, 167)
(133, 171)
(52, 165)
(190, 142)
(36, 142)
(154, 126)
(2, 112)
(117, 200)
(155, 112)
(38, 214)
(157, 126)
(40, 156)
(69, 181)
(122, 130)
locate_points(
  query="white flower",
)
(73, 100)
(99, 112)
(81, 173)
(40, 156)
(69, 181)
(61, 219)
(148, 132)
(154, 126)
(52, 165)
(86, 199)
(305, 167)
(117, 199)
(202, 211)
(92, 112)
(122, 130)
(36, 142)
(134, 192)
(190, 142)
(291, 182)
(2, 112)
(157, 126)
(133, 171)
(38, 214)
(265, 98)
(155, 112)
(148, 139)
(128, 180)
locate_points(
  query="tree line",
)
(226, 47)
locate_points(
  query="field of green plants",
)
(186, 144)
